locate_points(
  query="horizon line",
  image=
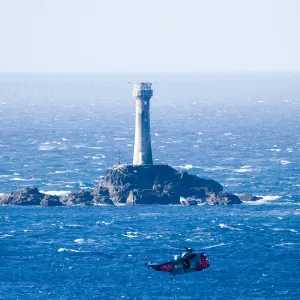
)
(150, 72)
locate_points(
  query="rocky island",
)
(136, 184)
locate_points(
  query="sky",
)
(149, 36)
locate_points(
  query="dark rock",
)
(122, 179)
(50, 200)
(151, 197)
(26, 196)
(249, 197)
(161, 184)
(223, 198)
(137, 184)
(194, 186)
(100, 196)
(78, 197)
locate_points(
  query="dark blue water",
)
(61, 132)
(99, 252)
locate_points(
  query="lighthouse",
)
(142, 92)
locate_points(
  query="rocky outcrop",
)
(26, 196)
(160, 184)
(142, 184)
(140, 196)
(30, 196)
(82, 197)
(101, 195)
(77, 197)
(51, 200)
(249, 197)
(223, 198)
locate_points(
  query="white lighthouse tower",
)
(142, 92)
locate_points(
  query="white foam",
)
(5, 236)
(285, 162)
(285, 229)
(150, 214)
(24, 179)
(243, 169)
(187, 167)
(56, 193)
(270, 198)
(61, 172)
(50, 146)
(120, 139)
(214, 246)
(67, 250)
(285, 245)
(275, 150)
(216, 168)
(79, 241)
(278, 229)
(228, 227)
(106, 223)
(46, 148)
(264, 200)
(88, 147)
(97, 156)
(131, 235)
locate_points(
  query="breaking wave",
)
(79, 241)
(264, 200)
(244, 169)
(228, 227)
(67, 250)
(56, 193)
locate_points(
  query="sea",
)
(60, 132)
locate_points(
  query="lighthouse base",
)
(159, 184)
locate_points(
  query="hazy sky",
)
(149, 36)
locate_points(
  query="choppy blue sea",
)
(60, 132)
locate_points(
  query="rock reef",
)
(136, 184)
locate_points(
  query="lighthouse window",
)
(145, 102)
